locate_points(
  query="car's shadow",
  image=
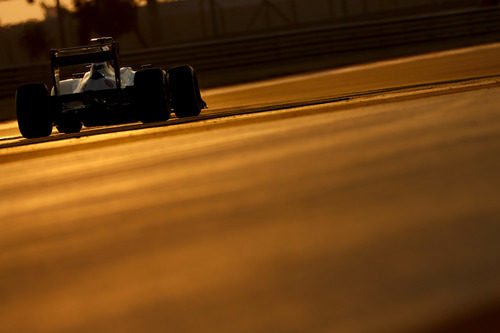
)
(93, 131)
(206, 115)
(11, 138)
(19, 141)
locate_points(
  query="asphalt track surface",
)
(364, 199)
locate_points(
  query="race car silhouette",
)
(104, 94)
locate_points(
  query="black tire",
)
(150, 95)
(69, 126)
(184, 92)
(33, 111)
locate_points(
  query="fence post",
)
(330, 8)
(213, 14)
(267, 7)
(155, 28)
(344, 8)
(62, 34)
(295, 17)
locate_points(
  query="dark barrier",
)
(292, 45)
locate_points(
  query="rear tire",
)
(33, 111)
(150, 95)
(184, 90)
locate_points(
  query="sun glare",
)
(18, 11)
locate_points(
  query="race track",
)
(363, 199)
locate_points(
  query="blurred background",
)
(231, 41)
(364, 215)
(30, 27)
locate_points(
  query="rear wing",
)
(103, 49)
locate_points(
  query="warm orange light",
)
(17, 11)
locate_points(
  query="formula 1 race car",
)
(104, 94)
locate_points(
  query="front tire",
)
(184, 90)
(150, 95)
(33, 111)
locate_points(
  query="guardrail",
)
(291, 45)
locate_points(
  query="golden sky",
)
(15, 11)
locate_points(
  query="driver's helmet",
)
(102, 76)
(100, 70)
